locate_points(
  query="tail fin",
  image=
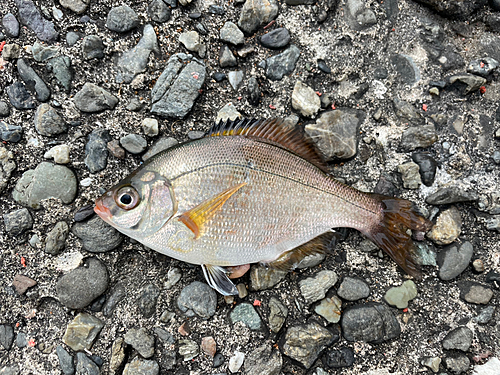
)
(391, 232)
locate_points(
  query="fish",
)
(252, 191)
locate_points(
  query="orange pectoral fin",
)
(196, 217)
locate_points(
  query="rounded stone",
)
(277, 38)
(245, 313)
(134, 143)
(122, 19)
(198, 299)
(353, 289)
(97, 236)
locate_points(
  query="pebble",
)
(6, 336)
(473, 292)
(77, 6)
(19, 97)
(208, 346)
(134, 143)
(59, 153)
(216, 9)
(116, 150)
(191, 40)
(370, 322)
(188, 349)
(450, 195)
(228, 112)
(335, 133)
(117, 354)
(427, 167)
(235, 79)
(11, 51)
(277, 315)
(253, 91)
(142, 341)
(65, 361)
(85, 366)
(337, 358)
(226, 57)
(7, 164)
(219, 76)
(178, 86)
(30, 16)
(82, 331)
(72, 38)
(410, 175)
(431, 362)
(92, 47)
(22, 283)
(401, 295)
(47, 180)
(48, 122)
(353, 289)
(166, 316)
(245, 313)
(78, 288)
(195, 134)
(96, 235)
(60, 66)
(140, 366)
(485, 315)
(218, 360)
(314, 288)
(282, 64)
(96, 150)
(173, 276)
(406, 68)
(324, 67)
(236, 361)
(482, 67)
(358, 16)
(305, 100)
(264, 361)
(460, 339)
(117, 294)
(262, 278)
(447, 227)
(17, 222)
(4, 109)
(304, 343)
(230, 33)
(256, 13)
(418, 137)
(466, 83)
(330, 309)
(478, 265)
(32, 79)
(277, 38)
(42, 52)
(10, 25)
(135, 60)
(198, 299)
(56, 238)
(407, 112)
(160, 145)
(454, 259)
(10, 133)
(159, 11)
(150, 127)
(92, 98)
(148, 300)
(122, 19)
(457, 363)
(9, 370)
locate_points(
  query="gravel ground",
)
(408, 106)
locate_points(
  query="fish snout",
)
(102, 206)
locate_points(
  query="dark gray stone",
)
(85, 366)
(457, 363)
(256, 13)
(65, 361)
(19, 97)
(353, 289)
(406, 68)
(406, 112)
(277, 38)
(422, 136)
(92, 98)
(427, 167)
(92, 47)
(245, 313)
(454, 259)
(454, 9)
(283, 64)
(10, 133)
(60, 66)
(165, 336)
(253, 91)
(337, 358)
(219, 76)
(96, 151)
(482, 67)
(97, 236)
(10, 25)
(466, 83)
(370, 322)
(114, 298)
(21, 340)
(460, 338)
(226, 57)
(30, 16)
(81, 286)
(48, 122)
(33, 81)
(147, 300)
(6, 336)
(134, 143)
(277, 315)
(4, 109)
(198, 299)
(159, 11)
(263, 361)
(141, 341)
(43, 52)
(451, 194)
(18, 221)
(56, 238)
(122, 19)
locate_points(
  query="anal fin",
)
(217, 278)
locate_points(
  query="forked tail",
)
(392, 233)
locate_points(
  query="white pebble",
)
(59, 153)
(86, 182)
(236, 361)
(150, 126)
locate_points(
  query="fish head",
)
(139, 205)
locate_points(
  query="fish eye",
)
(127, 198)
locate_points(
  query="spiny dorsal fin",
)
(273, 130)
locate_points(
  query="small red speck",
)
(318, 93)
(200, 91)
(1, 45)
(239, 97)
(23, 261)
(333, 106)
(31, 343)
(257, 302)
(269, 24)
(481, 64)
(405, 310)
(393, 29)
(272, 106)
(195, 75)
(482, 89)
(424, 107)
(18, 324)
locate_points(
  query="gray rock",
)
(359, 17)
(343, 357)
(117, 354)
(96, 150)
(30, 16)
(56, 238)
(122, 19)
(485, 315)
(47, 180)
(406, 112)
(305, 100)
(11, 51)
(82, 331)
(256, 13)
(418, 137)
(277, 315)
(447, 227)
(473, 292)
(457, 363)
(235, 79)
(92, 98)
(81, 286)
(160, 145)
(164, 335)
(282, 64)
(245, 313)
(230, 33)
(198, 299)
(140, 366)
(6, 336)
(401, 295)
(432, 363)
(159, 11)
(60, 66)
(10, 133)
(454, 259)
(42, 52)
(19, 97)
(177, 87)
(262, 278)
(10, 25)
(21, 340)
(304, 343)
(135, 60)
(92, 47)
(72, 38)
(189, 349)
(48, 122)
(353, 289)
(7, 164)
(226, 57)
(330, 309)
(450, 195)
(33, 80)
(314, 288)
(17, 222)
(335, 133)
(117, 294)
(467, 83)
(264, 361)
(85, 366)
(65, 361)
(4, 109)
(77, 6)
(406, 68)
(191, 40)
(97, 236)
(369, 322)
(427, 167)
(410, 175)
(277, 38)
(147, 300)
(460, 338)
(141, 341)
(482, 67)
(253, 91)
(134, 143)
(9, 370)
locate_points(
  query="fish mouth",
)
(101, 210)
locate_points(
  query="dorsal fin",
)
(273, 130)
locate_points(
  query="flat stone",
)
(92, 98)
(191, 40)
(43, 52)
(228, 112)
(262, 278)
(277, 315)
(59, 153)
(140, 366)
(338, 358)
(422, 136)
(256, 13)
(22, 283)
(198, 299)
(330, 309)
(96, 150)
(97, 236)
(314, 288)
(473, 292)
(353, 289)
(6, 336)
(245, 313)
(447, 227)
(188, 349)
(401, 295)
(33, 80)
(142, 341)
(159, 11)
(19, 97)
(48, 122)
(230, 33)
(236, 361)
(427, 167)
(85, 366)
(92, 47)
(77, 6)
(277, 38)
(410, 175)
(457, 363)
(264, 361)
(134, 143)
(235, 79)
(65, 361)
(17, 222)
(450, 195)
(454, 259)
(30, 16)
(460, 339)
(282, 64)
(148, 300)
(82, 332)
(10, 25)
(305, 100)
(122, 19)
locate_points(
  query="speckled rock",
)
(148, 300)
(17, 222)
(30, 16)
(230, 33)
(96, 150)
(473, 292)
(117, 354)
(353, 289)
(255, 13)
(56, 238)
(122, 19)
(82, 332)
(6, 336)
(460, 338)
(457, 363)
(141, 340)
(447, 228)
(277, 315)
(422, 136)
(198, 299)
(48, 122)
(282, 64)
(264, 361)
(140, 366)
(134, 143)
(314, 288)
(77, 6)
(305, 100)
(454, 259)
(19, 97)
(97, 236)
(245, 313)
(159, 11)
(410, 175)
(264, 278)
(451, 194)
(92, 98)
(189, 349)
(337, 358)
(7, 165)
